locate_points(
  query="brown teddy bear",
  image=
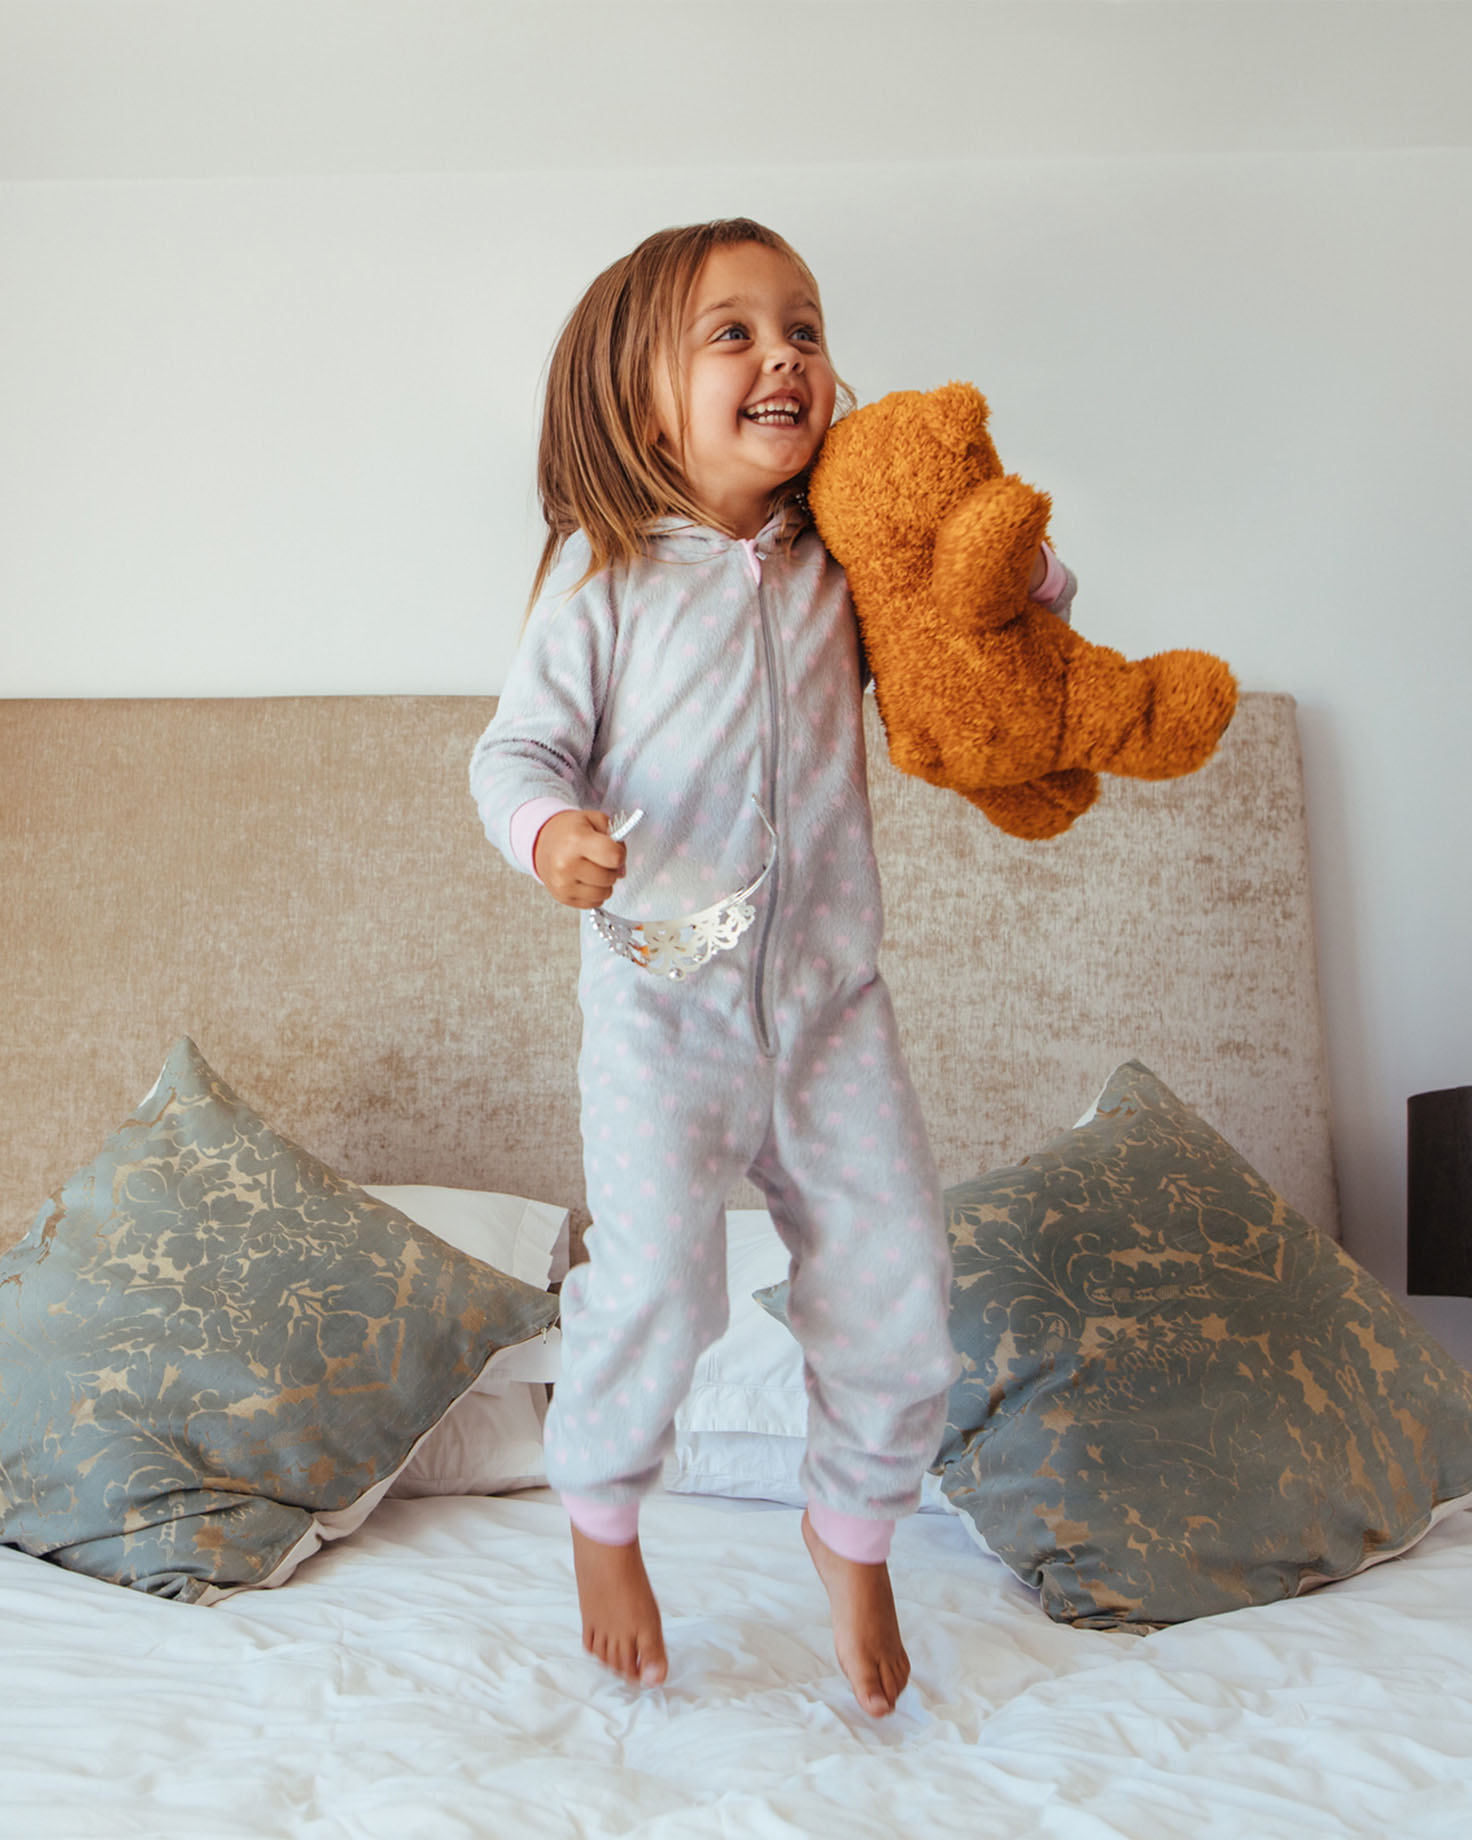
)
(980, 688)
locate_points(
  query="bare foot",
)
(621, 1623)
(866, 1630)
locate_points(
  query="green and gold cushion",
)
(215, 1352)
(1179, 1397)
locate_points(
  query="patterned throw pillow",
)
(214, 1352)
(1178, 1396)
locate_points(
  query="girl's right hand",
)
(575, 858)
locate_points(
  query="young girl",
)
(690, 677)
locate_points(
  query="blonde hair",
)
(597, 469)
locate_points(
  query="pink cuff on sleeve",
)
(526, 824)
(609, 1523)
(865, 1542)
(1054, 582)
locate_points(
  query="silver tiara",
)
(672, 948)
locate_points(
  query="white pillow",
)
(516, 1236)
(538, 1360)
(561, 1254)
(749, 1465)
(488, 1443)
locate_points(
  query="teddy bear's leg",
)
(984, 554)
(1038, 808)
(1156, 718)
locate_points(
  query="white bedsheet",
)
(426, 1679)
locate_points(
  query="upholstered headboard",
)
(301, 884)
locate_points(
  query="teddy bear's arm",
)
(985, 553)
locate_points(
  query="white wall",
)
(269, 378)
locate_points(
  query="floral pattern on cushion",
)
(1178, 1397)
(209, 1341)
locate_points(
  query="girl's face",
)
(758, 387)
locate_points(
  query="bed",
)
(299, 887)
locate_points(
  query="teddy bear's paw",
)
(984, 554)
(1038, 808)
(1189, 701)
(913, 749)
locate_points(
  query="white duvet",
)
(426, 1678)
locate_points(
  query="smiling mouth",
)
(785, 413)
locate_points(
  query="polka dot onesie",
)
(706, 675)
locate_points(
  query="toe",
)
(869, 1691)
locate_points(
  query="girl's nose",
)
(784, 357)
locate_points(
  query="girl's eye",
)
(810, 335)
(732, 332)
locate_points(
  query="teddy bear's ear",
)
(956, 416)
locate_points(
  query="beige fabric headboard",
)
(301, 884)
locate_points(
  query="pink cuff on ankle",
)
(865, 1542)
(609, 1523)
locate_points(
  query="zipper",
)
(766, 1037)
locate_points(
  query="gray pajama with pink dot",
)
(678, 1103)
(712, 671)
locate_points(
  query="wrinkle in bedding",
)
(427, 1677)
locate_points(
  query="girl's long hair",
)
(598, 470)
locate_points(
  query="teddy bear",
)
(980, 688)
